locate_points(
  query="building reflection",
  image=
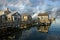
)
(25, 26)
(13, 33)
(9, 33)
(26, 20)
(18, 35)
(43, 28)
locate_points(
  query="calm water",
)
(33, 34)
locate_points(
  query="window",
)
(25, 17)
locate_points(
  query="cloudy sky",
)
(30, 6)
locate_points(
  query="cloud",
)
(54, 0)
(28, 6)
(54, 11)
(21, 4)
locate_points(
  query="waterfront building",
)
(43, 18)
(16, 17)
(13, 17)
(26, 20)
(3, 17)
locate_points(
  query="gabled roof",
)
(15, 14)
(25, 14)
(12, 13)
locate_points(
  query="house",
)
(3, 17)
(26, 20)
(14, 17)
(10, 17)
(43, 18)
(26, 17)
(1, 13)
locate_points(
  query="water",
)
(33, 34)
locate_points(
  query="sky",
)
(30, 6)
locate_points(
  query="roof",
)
(25, 14)
(11, 13)
(15, 14)
(43, 14)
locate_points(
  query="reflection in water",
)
(43, 28)
(24, 33)
(34, 33)
(7, 33)
(38, 32)
(24, 26)
(18, 35)
(31, 31)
